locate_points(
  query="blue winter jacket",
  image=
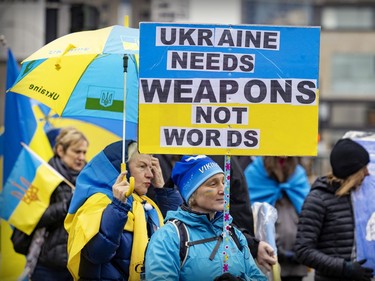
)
(107, 255)
(163, 251)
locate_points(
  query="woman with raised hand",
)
(109, 227)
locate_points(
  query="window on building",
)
(353, 74)
(83, 17)
(168, 11)
(347, 18)
(283, 12)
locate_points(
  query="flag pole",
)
(48, 165)
(226, 217)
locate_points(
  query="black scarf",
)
(69, 174)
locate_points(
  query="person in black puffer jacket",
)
(325, 237)
(69, 159)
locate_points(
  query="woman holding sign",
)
(190, 246)
(326, 231)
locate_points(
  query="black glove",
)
(355, 271)
(227, 277)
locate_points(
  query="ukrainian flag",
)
(27, 191)
(25, 122)
(20, 125)
(92, 195)
(96, 179)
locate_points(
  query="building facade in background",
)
(347, 54)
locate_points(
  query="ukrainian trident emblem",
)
(106, 98)
(26, 191)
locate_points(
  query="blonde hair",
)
(132, 151)
(351, 182)
(68, 136)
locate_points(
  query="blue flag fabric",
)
(364, 210)
(2, 143)
(19, 120)
(18, 126)
(98, 175)
(27, 191)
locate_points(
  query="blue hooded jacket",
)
(107, 255)
(163, 254)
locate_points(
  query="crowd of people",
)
(162, 218)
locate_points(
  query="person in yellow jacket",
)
(108, 231)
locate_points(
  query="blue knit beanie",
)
(192, 171)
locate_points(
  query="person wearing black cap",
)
(326, 230)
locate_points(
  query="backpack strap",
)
(234, 236)
(185, 243)
(184, 237)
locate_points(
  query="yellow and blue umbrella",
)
(52, 123)
(88, 75)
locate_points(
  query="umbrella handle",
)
(131, 182)
(131, 187)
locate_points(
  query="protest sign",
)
(230, 90)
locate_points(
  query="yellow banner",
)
(274, 130)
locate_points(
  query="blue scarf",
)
(263, 188)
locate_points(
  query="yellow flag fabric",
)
(82, 226)
(27, 191)
(20, 125)
(12, 263)
(85, 223)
